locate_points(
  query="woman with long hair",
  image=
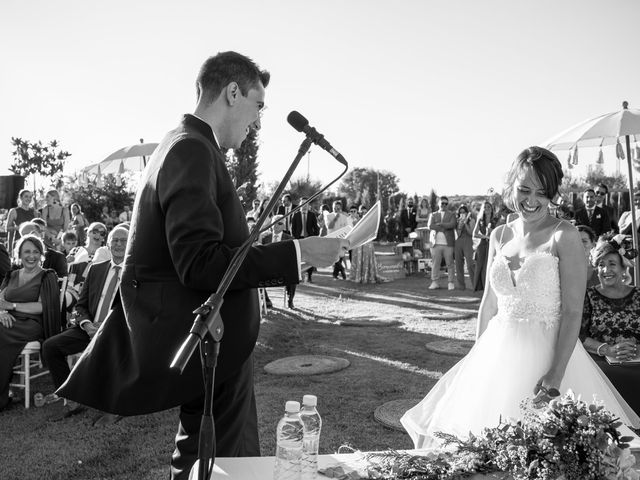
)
(56, 216)
(24, 212)
(78, 223)
(482, 230)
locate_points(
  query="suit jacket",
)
(599, 223)
(87, 306)
(56, 261)
(187, 224)
(311, 226)
(408, 219)
(5, 261)
(448, 222)
(281, 211)
(268, 238)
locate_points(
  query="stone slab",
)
(448, 315)
(389, 413)
(369, 322)
(306, 365)
(458, 348)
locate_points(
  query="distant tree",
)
(34, 158)
(303, 187)
(242, 164)
(597, 175)
(92, 197)
(363, 185)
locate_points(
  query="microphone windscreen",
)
(297, 120)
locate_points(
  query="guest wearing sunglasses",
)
(83, 256)
(442, 225)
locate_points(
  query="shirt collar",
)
(203, 126)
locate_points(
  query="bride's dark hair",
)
(544, 164)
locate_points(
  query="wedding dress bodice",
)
(531, 293)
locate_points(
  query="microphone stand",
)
(208, 328)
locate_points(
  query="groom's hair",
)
(220, 70)
(544, 164)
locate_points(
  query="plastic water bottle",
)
(311, 440)
(289, 446)
(38, 400)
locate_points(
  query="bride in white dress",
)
(528, 322)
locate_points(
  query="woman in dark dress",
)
(482, 230)
(29, 308)
(611, 318)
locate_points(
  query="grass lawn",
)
(386, 363)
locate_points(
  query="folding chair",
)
(29, 359)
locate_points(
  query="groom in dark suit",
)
(187, 224)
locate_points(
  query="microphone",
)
(301, 124)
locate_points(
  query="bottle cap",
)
(310, 400)
(292, 406)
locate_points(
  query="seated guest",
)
(5, 261)
(277, 235)
(588, 237)
(98, 293)
(53, 259)
(29, 307)
(611, 317)
(625, 224)
(69, 242)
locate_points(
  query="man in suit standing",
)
(408, 221)
(592, 215)
(284, 209)
(277, 235)
(305, 224)
(96, 297)
(601, 194)
(187, 224)
(442, 224)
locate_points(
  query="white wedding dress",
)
(509, 358)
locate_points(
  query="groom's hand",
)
(322, 251)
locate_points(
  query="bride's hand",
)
(546, 389)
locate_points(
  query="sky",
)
(444, 94)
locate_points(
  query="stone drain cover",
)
(388, 414)
(306, 365)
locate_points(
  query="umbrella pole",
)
(634, 226)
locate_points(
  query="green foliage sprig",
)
(567, 439)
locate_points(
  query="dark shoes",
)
(107, 419)
(68, 410)
(269, 304)
(290, 304)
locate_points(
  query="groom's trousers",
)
(235, 417)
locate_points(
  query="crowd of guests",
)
(458, 239)
(309, 222)
(60, 275)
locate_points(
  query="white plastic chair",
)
(29, 359)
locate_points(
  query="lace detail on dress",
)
(529, 294)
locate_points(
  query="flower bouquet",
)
(566, 439)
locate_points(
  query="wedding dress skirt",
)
(512, 354)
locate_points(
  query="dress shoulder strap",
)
(553, 235)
